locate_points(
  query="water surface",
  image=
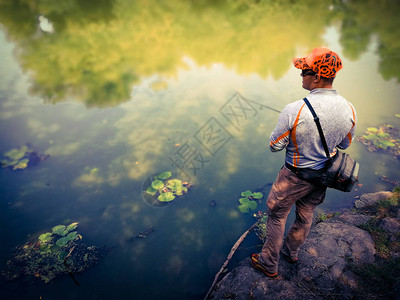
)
(134, 89)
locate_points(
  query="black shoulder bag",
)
(341, 173)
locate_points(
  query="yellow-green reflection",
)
(100, 49)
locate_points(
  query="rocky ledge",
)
(353, 254)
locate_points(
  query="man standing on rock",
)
(297, 132)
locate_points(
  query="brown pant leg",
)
(301, 226)
(286, 190)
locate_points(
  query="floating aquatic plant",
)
(257, 195)
(16, 158)
(261, 229)
(64, 240)
(21, 158)
(385, 138)
(151, 191)
(166, 197)
(164, 175)
(176, 187)
(45, 237)
(163, 188)
(247, 203)
(60, 251)
(157, 184)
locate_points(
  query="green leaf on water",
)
(151, 191)
(45, 237)
(164, 175)
(60, 230)
(16, 154)
(157, 184)
(22, 164)
(372, 129)
(397, 115)
(64, 240)
(388, 143)
(8, 163)
(383, 135)
(166, 197)
(246, 193)
(243, 208)
(380, 144)
(243, 201)
(371, 137)
(176, 186)
(257, 195)
(246, 203)
(72, 235)
(252, 205)
(71, 227)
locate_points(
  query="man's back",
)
(304, 148)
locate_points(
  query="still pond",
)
(129, 130)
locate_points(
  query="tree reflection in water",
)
(100, 49)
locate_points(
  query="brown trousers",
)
(289, 189)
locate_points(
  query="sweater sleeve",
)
(279, 138)
(346, 142)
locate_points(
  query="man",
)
(297, 132)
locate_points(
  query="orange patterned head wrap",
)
(322, 61)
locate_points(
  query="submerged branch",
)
(228, 259)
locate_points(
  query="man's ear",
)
(317, 78)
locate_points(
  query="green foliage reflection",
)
(100, 49)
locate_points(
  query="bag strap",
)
(321, 133)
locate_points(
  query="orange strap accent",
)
(354, 123)
(279, 138)
(296, 155)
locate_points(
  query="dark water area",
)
(117, 91)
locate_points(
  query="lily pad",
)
(246, 193)
(176, 186)
(64, 240)
(164, 175)
(60, 230)
(245, 202)
(383, 135)
(45, 237)
(160, 189)
(383, 144)
(257, 195)
(385, 138)
(8, 163)
(371, 137)
(16, 154)
(22, 164)
(150, 190)
(40, 258)
(372, 129)
(71, 227)
(73, 235)
(244, 208)
(157, 184)
(166, 197)
(252, 205)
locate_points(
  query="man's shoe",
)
(256, 264)
(289, 259)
